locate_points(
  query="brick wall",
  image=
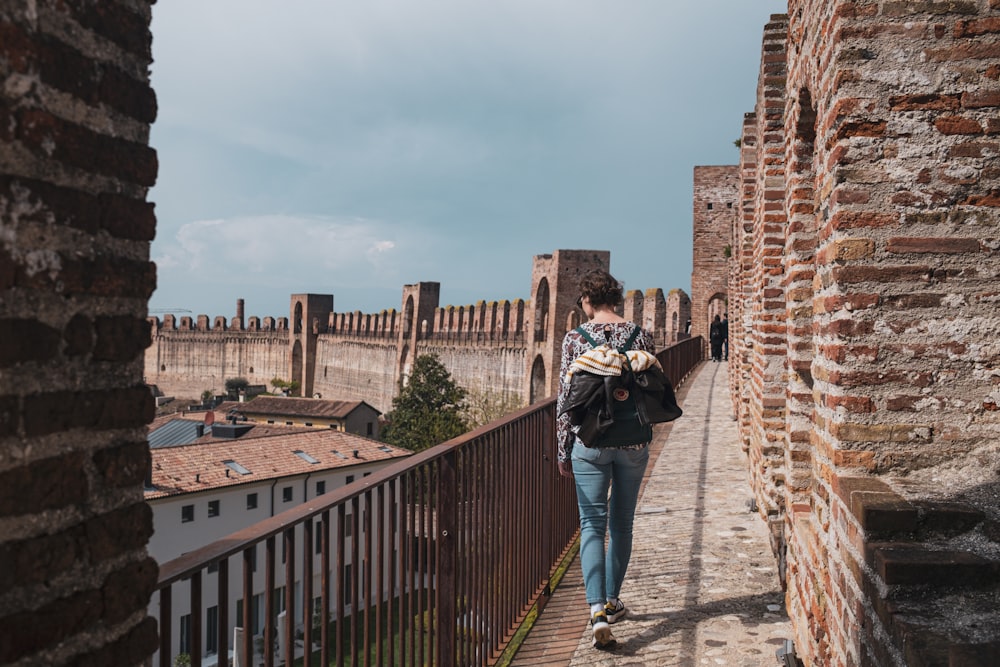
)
(75, 227)
(716, 194)
(866, 378)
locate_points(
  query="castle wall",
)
(349, 367)
(75, 276)
(864, 279)
(184, 363)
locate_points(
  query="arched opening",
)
(573, 319)
(538, 389)
(297, 318)
(297, 361)
(541, 310)
(404, 366)
(408, 316)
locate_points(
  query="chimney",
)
(239, 313)
(356, 454)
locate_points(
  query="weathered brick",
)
(850, 432)
(881, 274)
(42, 485)
(40, 559)
(25, 632)
(933, 101)
(976, 27)
(900, 8)
(57, 139)
(131, 649)
(120, 216)
(981, 98)
(127, 589)
(958, 125)
(97, 410)
(120, 338)
(25, 341)
(63, 67)
(118, 532)
(117, 23)
(946, 244)
(124, 464)
(860, 219)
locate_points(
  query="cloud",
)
(286, 249)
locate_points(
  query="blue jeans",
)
(595, 470)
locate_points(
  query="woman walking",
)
(595, 470)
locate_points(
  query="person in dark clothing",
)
(715, 338)
(725, 336)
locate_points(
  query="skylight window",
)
(305, 457)
(336, 453)
(384, 448)
(236, 467)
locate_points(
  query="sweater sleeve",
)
(564, 435)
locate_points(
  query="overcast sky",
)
(349, 148)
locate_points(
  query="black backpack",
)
(613, 417)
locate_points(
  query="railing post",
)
(446, 510)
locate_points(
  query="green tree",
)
(281, 386)
(482, 407)
(234, 386)
(428, 410)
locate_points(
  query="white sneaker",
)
(615, 612)
(603, 639)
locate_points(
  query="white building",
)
(203, 491)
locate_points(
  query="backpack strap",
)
(607, 334)
(583, 332)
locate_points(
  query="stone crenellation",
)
(355, 355)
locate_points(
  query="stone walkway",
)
(702, 587)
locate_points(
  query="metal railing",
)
(433, 560)
(680, 359)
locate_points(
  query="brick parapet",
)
(868, 348)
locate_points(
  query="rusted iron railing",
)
(433, 560)
(680, 359)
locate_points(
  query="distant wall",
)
(363, 356)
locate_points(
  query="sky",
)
(352, 147)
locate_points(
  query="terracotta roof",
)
(299, 407)
(200, 467)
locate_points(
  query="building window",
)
(270, 421)
(320, 487)
(350, 478)
(251, 501)
(286, 494)
(211, 630)
(309, 423)
(348, 584)
(710, 207)
(318, 539)
(288, 423)
(187, 513)
(213, 508)
(371, 428)
(366, 474)
(184, 641)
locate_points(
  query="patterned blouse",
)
(573, 346)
